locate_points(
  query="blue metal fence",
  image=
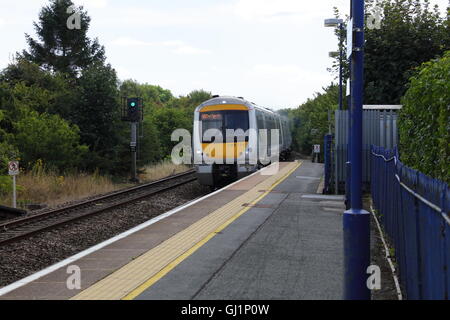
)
(414, 209)
(328, 159)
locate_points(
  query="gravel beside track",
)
(25, 257)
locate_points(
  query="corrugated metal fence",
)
(414, 209)
(379, 128)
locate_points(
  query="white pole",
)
(14, 193)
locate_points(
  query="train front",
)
(223, 141)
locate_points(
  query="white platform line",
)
(99, 246)
(388, 256)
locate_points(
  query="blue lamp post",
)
(356, 220)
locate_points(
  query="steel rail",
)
(61, 216)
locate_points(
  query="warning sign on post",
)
(317, 148)
(13, 168)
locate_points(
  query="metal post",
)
(133, 146)
(341, 28)
(14, 202)
(348, 164)
(356, 220)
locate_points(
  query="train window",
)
(260, 120)
(223, 120)
(236, 120)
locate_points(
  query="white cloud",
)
(178, 47)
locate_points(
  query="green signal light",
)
(133, 104)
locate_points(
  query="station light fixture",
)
(333, 22)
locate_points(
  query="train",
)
(233, 138)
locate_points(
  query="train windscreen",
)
(223, 120)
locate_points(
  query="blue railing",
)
(414, 210)
(328, 159)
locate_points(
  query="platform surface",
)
(266, 237)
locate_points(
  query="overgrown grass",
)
(42, 186)
(161, 170)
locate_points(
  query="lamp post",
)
(356, 220)
(338, 23)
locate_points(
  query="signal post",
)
(133, 113)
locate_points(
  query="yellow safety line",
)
(146, 285)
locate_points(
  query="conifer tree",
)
(61, 46)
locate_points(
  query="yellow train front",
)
(227, 139)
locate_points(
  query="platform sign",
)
(349, 38)
(13, 168)
(317, 148)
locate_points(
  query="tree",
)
(50, 139)
(311, 120)
(168, 120)
(153, 96)
(44, 91)
(59, 48)
(7, 151)
(424, 123)
(411, 33)
(98, 116)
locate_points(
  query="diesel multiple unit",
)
(234, 138)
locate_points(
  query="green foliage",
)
(153, 96)
(5, 185)
(60, 103)
(44, 91)
(311, 120)
(163, 114)
(59, 48)
(49, 138)
(7, 151)
(411, 33)
(98, 117)
(425, 120)
(167, 120)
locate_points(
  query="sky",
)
(272, 52)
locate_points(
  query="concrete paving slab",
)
(292, 250)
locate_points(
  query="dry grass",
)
(161, 170)
(53, 189)
(40, 186)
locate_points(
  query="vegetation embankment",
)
(60, 108)
(411, 33)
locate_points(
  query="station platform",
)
(264, 237)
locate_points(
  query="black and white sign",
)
(317, 148)
(13, 168)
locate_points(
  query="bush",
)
(50, 138)
(424, 123)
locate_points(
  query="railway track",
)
(18, 229)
